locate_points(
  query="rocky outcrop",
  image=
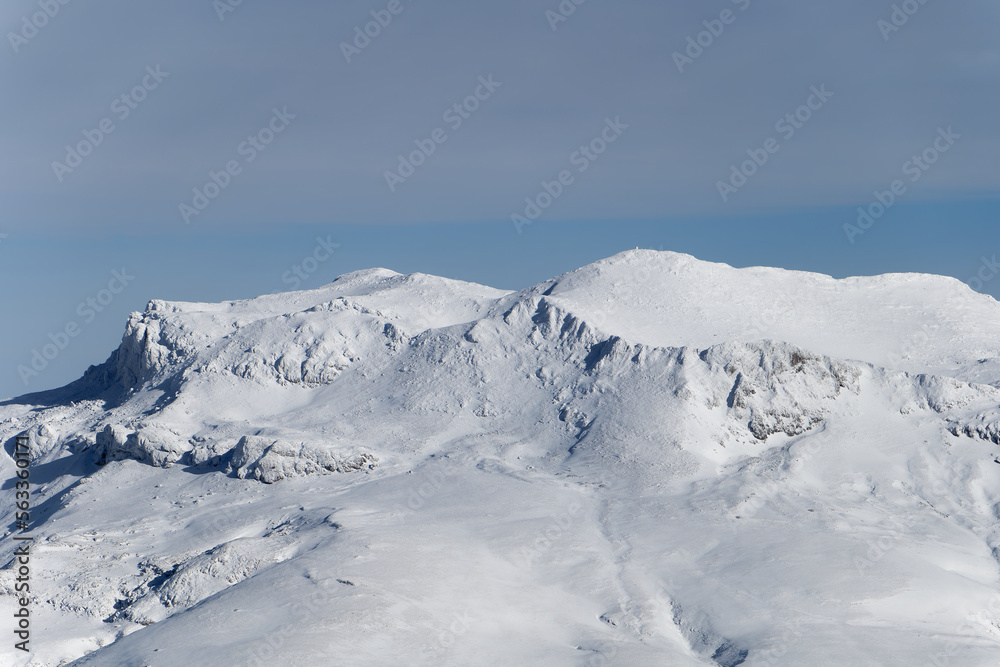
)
(271, 460)
(156, 447)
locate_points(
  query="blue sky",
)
(756, 146)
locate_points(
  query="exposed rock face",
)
(42, 439)
(270, 460)
(150, 345)
(153, 446)
(984, 426)
(781, 389)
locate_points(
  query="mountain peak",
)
(668, 299)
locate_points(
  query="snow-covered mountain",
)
(651, 460)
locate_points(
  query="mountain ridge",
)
(336, 430)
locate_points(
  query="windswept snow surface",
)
(651, 460)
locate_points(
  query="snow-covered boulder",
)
(272, 460)
(157, 447)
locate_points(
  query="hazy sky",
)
(114, 113)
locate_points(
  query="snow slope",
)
(650, 460)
